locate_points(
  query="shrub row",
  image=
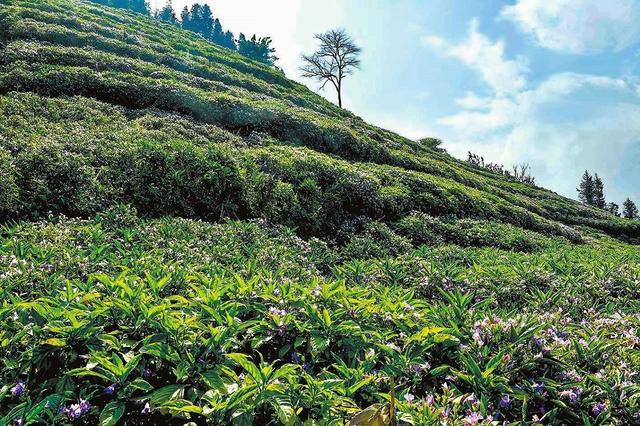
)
(238, 114)
(84, 156)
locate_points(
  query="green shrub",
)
(9, 190)
(51, 179)
(376, 240)
(423, 229)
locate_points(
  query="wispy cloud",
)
(562, 125)
(487, 58)
(578, 26)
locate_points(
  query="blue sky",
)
(552, 83)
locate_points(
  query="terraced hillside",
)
(192, 237)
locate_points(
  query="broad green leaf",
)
(111, 413)
(243, 361)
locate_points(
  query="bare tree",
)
(336, 57)
(521, 174)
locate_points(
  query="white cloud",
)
(473, 101)
(568, 123)
(578, 26)
(487, 58)
(433, 41)
(565, 124)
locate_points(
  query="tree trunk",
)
(340, 96)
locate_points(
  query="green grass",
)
(279, 259)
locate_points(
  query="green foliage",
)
(189, 237)
(9, 191)
(629, 209)
(139, 6)
(59, 49)
(424, 229)
(244, 323)
(257, 48)
(375, 240)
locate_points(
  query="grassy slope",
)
(67, 48)
(101, 107)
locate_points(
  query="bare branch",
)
(337, 56)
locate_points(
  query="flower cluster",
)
(75, 411)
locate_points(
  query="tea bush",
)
(57, 48)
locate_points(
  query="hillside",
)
(192, 237)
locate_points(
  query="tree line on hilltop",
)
(591, 193)
(200, 20)
(519, 172)
(590, 190)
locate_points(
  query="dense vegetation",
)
(191, 237)
(199, 19)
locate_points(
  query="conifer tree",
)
(167, 14)
(229, 41)
(216, 32)
(613, 208)
(586, 189)
(598, 193)
(185, 18)
(206, 21)
(258, 49)
(196, 18)
(629, 209)
(140, 6)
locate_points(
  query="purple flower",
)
(410, 398)
(429, 400)
(472, 399)
(75, 411)
(18, 389)
(473, 418)
(306, 366)
(295, 358)
(573, 397)
(416, 368)
(147, 373)
(19, 422)
(146, 409)
(277, 311)
(598, 408)
(85, 406)
(538, 387)
(537, 341)
(282, 330)
(505, 401)
(109, 390)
